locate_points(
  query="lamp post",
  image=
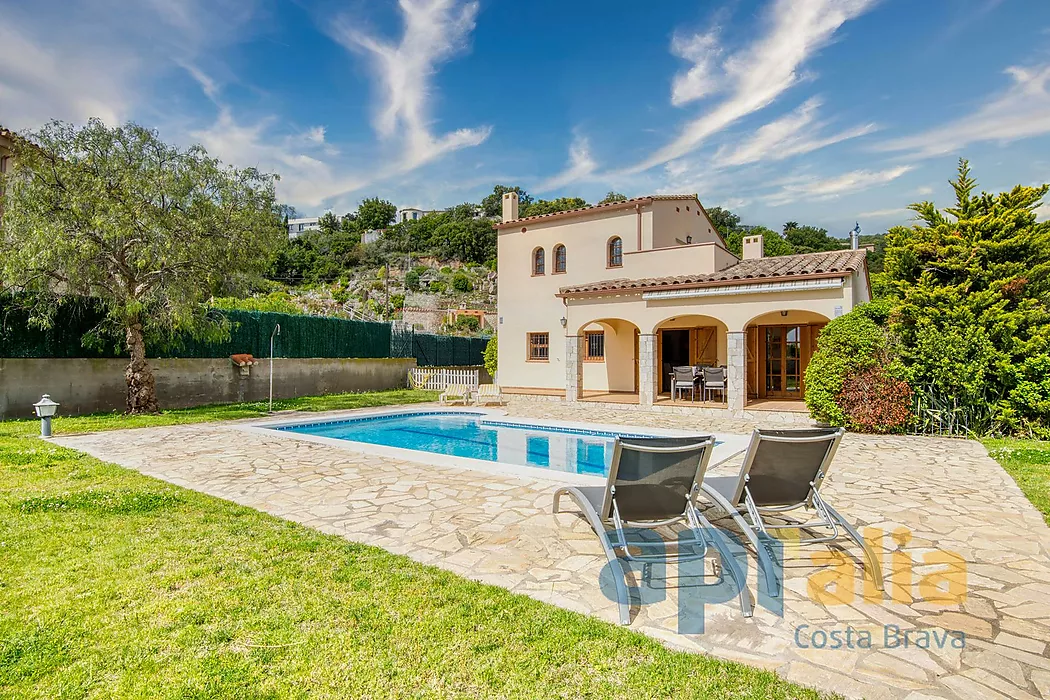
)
(276, 332)
(45, 409)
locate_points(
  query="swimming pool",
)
(477, 436)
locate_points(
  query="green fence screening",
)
(447, 350)
(301, 336)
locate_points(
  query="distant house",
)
(6, 150)
(413, 214)
(296, 227)
(372, 235)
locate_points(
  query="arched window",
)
(615, 252)
(559, 258)
(537, 262)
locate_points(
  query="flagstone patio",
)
(945, 495)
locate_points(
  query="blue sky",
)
(817, 111)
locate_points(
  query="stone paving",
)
(927, 495)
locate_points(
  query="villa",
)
(600, 303)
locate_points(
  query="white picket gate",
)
(438, 378)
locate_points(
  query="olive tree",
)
(149, 230)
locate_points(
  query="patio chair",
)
(489, 393)
(653, 482)
(683, 380)
(781, 472)
(714, 380)
(455, 393)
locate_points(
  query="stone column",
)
(736, 369)
(573, 367)
(646, 369)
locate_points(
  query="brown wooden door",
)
(783, 361)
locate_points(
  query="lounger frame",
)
(611, 528)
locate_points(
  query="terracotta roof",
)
(836, 263)
(598, 207)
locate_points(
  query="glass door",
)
(783, 362)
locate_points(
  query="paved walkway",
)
(944, 495)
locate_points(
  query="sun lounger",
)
(489, 393)
(455, 393)
(652, 483)
(782, 471)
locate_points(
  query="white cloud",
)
(435, 30)
(924, 191)
(580, 167)
(756, 75)
(1042, 212)
(847, 183)
(703, 51)
(896, 212)
(1022, 111)
(42, 80)
(793, 134)
(305, 177)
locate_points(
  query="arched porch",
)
(609, 361)
(778, 347)
(695, 340)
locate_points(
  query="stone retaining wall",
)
(93, 385)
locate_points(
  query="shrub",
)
(845, 346)
(461, 283)
(490, 355)
(276, 302)
(438, 287)
(875, 402)
(412, 281)
(469, 324)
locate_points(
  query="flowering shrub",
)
(846, 345)
(875, 402)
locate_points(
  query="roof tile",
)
(597, 207)
(776, 268)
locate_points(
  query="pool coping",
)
(730, 443)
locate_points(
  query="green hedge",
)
(301, 336)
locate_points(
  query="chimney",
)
(510, 206)
(754, 247)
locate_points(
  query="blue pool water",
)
(477, 436)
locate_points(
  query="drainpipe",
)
(638, 211)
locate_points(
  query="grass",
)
(1028, 462)
(233, 411)
(116, 585)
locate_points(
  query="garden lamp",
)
(45, 409)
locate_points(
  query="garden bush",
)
(872, 401)
(847, 345)
(491, 353)
(469, 324)
(461, 283)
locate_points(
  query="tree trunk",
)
(142, 387)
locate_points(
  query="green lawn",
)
(232, 411)
(1028, 462)
(115, 585)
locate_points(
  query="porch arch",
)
(617, 371)
(778, 346)
(688, 339)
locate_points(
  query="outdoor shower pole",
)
(276, 331)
